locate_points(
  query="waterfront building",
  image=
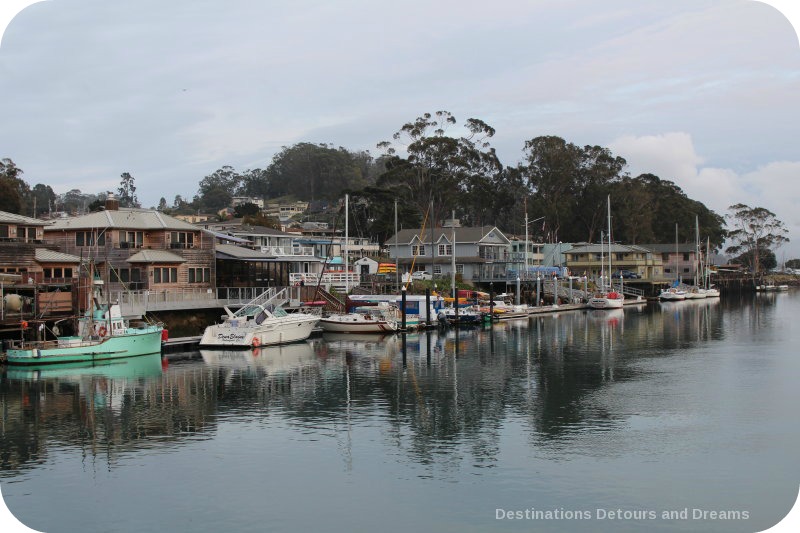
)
(138, 249)
(482, 254)
(589, 260)
(20, 236)
(36, 282)
(679, 261)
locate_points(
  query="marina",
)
(653, 407)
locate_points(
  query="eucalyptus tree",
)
(14, 191)
(127, 191)
(439, 171)
(598, 170)
(755, 230)
(313, 172)
(549, 170)
(43, 198)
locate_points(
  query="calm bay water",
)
(563, 420)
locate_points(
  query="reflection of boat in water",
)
(610, 316)
(129, 368)
(282, 358)
(361, 344)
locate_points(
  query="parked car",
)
(625, 274)
(421, 275)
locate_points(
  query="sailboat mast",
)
(602, 262)
(696, 251)
(676, 252)
(453, 265)
(346, 243)
(610, 281)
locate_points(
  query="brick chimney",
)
(112, 204)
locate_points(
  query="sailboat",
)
(606, 298)
(674, 293)
(711, 291)
(696, 292)
(384, 318)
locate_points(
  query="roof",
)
(669, 248)
(43, 255)
(478, 234)
(226, 237)
(124, 218)
(13, 218)
(231, 251)
(257, 230)
(603, 248)
(155, 256)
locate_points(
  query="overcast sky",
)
(703, 93)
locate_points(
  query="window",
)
(667, 270)
(126, 275)
(685, 257)
(131, 239)
(620, 257)
(665, 257)
(445, 249)
(87, 238)
(165, 275)
(3, 232)
(199, 275)
(459, 269)
(418, 250)
(58, 272)
(437, 269)
(25, 233)
(182, 239)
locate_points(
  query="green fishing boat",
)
(102, 335)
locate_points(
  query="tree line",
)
(425, 172)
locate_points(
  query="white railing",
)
(133, 303)
(341, 281)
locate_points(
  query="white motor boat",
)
(608, 300)
(261, 322)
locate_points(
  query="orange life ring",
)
(24, 324)
(256, 342)
(102, 331)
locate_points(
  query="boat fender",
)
(37, 353)
(102, 331)
(256, 342)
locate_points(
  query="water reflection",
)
(439, 397)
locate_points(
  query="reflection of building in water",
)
(438, 397)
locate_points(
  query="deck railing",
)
(137, 303)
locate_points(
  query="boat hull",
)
(269, 333)
(144, 342)
(605, 303)
(356, 325)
